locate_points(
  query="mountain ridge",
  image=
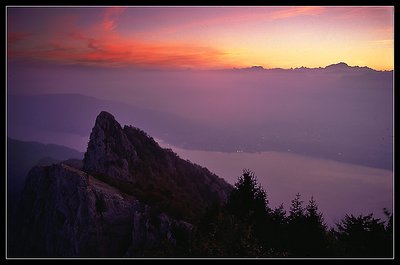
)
(131, 198)
(131, 157)
(335, 66)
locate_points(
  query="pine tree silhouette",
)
(296, 224)
(316, 231)
(248, 199)
(246, 227)
(363, 236)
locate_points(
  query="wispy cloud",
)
(101, 45)
(368, 12)
(298, 11)
(110, 16)
(258, 14)
(125, 53)
(200, 38)
(14, 37)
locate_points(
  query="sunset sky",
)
(325, 133)
(203, 37)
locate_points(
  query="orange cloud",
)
(101, 45)
(115, 50)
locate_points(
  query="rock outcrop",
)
(66, 212)
(129, 159)
(109, 150)
(129, 198)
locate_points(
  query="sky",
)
(66, 64)
(203, 37)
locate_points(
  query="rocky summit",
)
(131, 198)
(109, 150)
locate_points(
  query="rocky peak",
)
(131, 160)
(130, 199)
(109, 151)
(105, 119)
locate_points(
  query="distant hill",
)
(56, 117)
(339, 112)
(22, 156)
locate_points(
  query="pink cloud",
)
(258, 14)
(380, 16)
(101, 45)
(108, 48)
(13, 37)
(298, 11)
(110, 16)
(366, 11)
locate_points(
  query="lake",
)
(338, 187)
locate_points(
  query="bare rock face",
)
(109, 151)
(65, 212)
(160, 232)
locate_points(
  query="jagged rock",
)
(126, 156)
(66, 212)
(109, 151)
(129, 198)
(158, 230)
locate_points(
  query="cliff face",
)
(23, 155)
(131, 198)
(109, 150)
(66, 212)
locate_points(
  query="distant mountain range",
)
(338, 67)
(338, 112)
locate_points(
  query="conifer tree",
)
(296, 209)
(362, 236)
(248, 199)
(315, 228)
(296, 224)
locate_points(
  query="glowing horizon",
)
(204, 37)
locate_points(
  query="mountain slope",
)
(132, 198)
(127, 157)
(22, 156)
